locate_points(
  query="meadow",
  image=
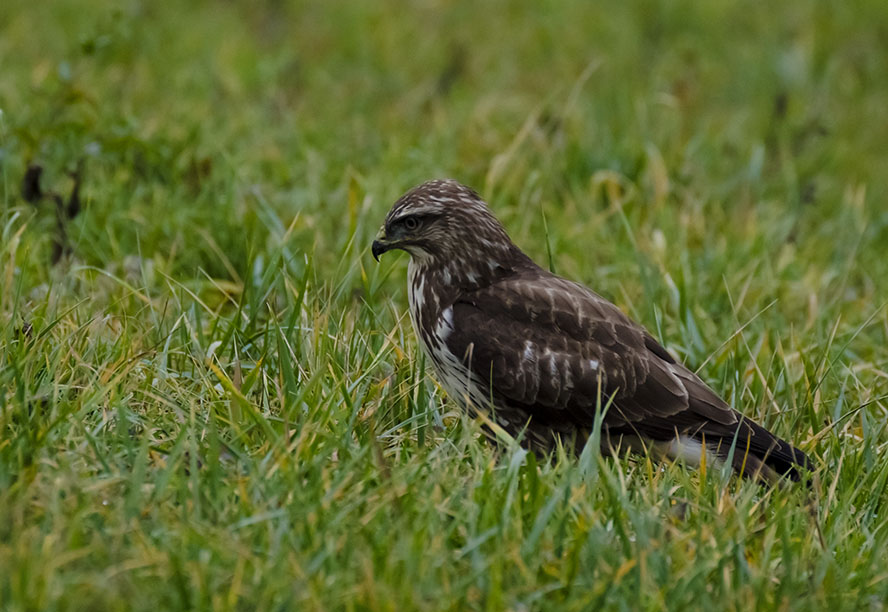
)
(211, 396)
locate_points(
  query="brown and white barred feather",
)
(543, 352)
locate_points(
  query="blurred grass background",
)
(214, 400)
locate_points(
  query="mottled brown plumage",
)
(543, 353)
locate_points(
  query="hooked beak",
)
(380, 245)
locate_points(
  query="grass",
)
(214, 400)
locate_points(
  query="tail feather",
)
(757, 453)
(752, 451)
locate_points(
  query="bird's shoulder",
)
(550, 302)
(545, 340)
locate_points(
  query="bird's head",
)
(443, 222)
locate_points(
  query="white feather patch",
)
(684, 448)
(445, 324)
(528, 351)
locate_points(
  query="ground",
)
(211, 395)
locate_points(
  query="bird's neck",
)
(430, 289)
(434, 284)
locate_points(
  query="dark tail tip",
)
(762, 455)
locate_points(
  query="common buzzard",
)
(541, 353)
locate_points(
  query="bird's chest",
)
(433, 325)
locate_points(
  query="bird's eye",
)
(411, 223)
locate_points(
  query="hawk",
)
(541, 354)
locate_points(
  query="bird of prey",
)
(541, 354)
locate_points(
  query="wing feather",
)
(550, 346)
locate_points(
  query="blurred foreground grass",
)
(214, 399)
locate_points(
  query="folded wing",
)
(553, 349)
